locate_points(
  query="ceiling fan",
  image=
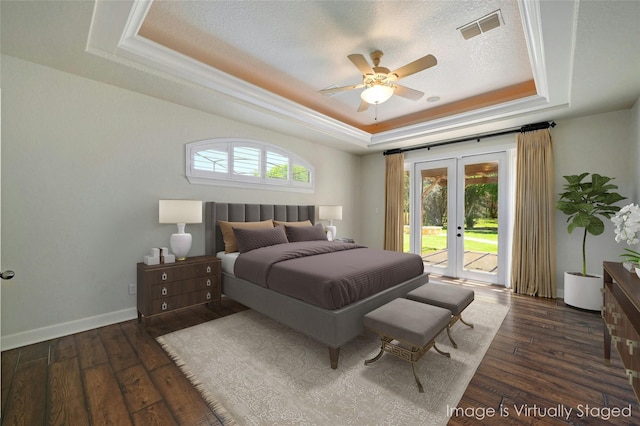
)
(380, 83)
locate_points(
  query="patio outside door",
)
(457, 214)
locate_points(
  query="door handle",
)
(7, 275)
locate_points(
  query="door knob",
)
(7, 275)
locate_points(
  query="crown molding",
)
(115, 25)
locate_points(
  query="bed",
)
(332, 327)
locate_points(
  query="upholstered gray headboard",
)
(233, 212)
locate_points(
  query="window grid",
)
(211, 160)
(241, 162)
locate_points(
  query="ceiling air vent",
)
(481, 25)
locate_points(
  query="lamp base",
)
(331, 232)
(180, 245)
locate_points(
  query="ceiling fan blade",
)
(363, 106)
(361, 63)
(341, 89)
(416, 66)
(408, 93)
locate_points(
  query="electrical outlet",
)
(132, 289)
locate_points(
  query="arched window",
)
(247, 163)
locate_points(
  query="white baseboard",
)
(64, 329)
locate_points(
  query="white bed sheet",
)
(227, 260)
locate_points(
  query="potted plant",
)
(585, 201)
(627, 222)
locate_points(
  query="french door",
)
(459, 216)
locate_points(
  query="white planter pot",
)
(583, 292)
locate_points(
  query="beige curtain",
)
(393, 223)
(534, 262)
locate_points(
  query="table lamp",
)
(180, 212)
(330, 213)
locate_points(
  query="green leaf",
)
(595, 226)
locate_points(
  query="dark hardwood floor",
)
(545, 357)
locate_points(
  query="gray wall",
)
(83, 167)
(635, 151)
(604, 143)
(598, 144)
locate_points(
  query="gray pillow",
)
(305, 233)
(251, 239)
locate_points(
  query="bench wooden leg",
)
(454, 319)
(415, 375)
(384, 339)
(465, 323)
(455, 345)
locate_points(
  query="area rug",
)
(254, 371)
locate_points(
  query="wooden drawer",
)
(199, 270)
(183, 300)
(164, 304)
(159, 291)
(164, 275)
(196, 298)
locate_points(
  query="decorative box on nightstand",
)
(344, 240)
(171, 286)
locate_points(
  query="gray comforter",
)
(327, 274)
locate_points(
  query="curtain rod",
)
(523, 129)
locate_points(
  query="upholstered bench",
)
(450, 297)
(403, 324)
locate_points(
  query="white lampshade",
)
(330, 212)
(180, 212)
(377, 94)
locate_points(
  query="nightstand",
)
(171, 286)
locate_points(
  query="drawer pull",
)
(208, 283)
(611, 328)
(208, 269)
(164, 291)
(632, 374)
(164, 306)
(164, 276)
(615, 317)
(208, 296)
(615, 340)
(632, 344)
(603, 311)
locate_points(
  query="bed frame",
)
(333, 328)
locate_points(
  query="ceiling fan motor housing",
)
(381, 77)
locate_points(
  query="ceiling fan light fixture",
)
(377, 94)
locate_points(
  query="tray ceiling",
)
(294, 49)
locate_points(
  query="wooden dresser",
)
(170, 286)
(621, 315)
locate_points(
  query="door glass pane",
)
(481, 217)
(434, 209)
(406, 212)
